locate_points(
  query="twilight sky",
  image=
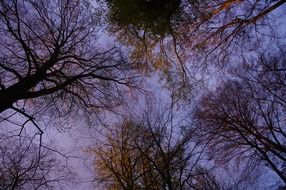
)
(71, 139)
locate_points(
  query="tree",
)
(180, 38)
(50, 59)
(152, 16)
(218, 29)
(51, 66)
(155, 152)
(223, 29)
(22, 166)
(244, 118)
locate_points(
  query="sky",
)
(73, 139)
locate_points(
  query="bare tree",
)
(51, 65)
(50, 59)
(244, 118)
(222, 29)
(22, 167)
(154, 152)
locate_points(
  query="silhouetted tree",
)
(23, 167)
(152, 16)
(50, 59)
(177, 37)
(218, 29)
(154, 152)
(244, 118)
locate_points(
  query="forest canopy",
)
(169, 94)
